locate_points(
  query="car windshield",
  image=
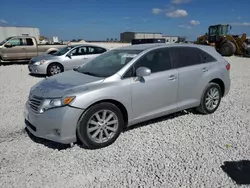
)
(4, 41)
(108, 63)
(62, 51)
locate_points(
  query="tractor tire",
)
(227, 49)
(247, 51)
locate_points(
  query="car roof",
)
(156, 45)
(91, 45)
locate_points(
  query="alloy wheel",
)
(102, 126)
(212, 98)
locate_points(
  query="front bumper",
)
(58, 124)
(37, 69)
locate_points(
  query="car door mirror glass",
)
(143, 71)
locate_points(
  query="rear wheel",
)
(210, 99)
(54, 68)
(227, 49)
(100, 125)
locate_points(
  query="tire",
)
(227, 49)
(203, 108)
(247, 51)
(54, 68)
(83, 128)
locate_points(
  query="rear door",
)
(194, 74)
(31, 48)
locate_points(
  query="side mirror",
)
(8, 45)
(143, 71)
(69, 55)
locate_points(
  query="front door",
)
(77, 58)
(154, 95)
(16, 52)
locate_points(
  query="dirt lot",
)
(181, 150)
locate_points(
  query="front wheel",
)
(54, 68)
(210, 99)
(100, 125)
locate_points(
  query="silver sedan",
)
(66, 58)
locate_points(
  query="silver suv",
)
(123, 87)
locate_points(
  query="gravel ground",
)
(181, 150)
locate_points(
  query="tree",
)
(115, 39)
(107, 39)
(111, 39)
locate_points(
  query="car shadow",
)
(160, 119)
(58, 146)
(14, 63)
(37, 75)
(47, 143)
(238, 171)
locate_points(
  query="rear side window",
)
(206, 58)
(185, 56)
(29, 42)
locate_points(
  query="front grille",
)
(35, 103)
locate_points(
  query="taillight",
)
(228, 66)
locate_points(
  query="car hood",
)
(45, 57)
(63, 84)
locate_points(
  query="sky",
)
(102, 19)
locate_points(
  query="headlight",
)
(40, 62)
(55, 103)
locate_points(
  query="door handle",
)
(204, 70)
(85, 58)
(172, 77)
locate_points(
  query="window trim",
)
(133, 65)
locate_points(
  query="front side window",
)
(108, 63)
(185, 56)
(79, 51)
(156, 60)
(62, 51)
(16, 42)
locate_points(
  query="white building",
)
(128, 36)
(170, 39)
(6, 32)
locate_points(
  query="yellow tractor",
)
(226, 44)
